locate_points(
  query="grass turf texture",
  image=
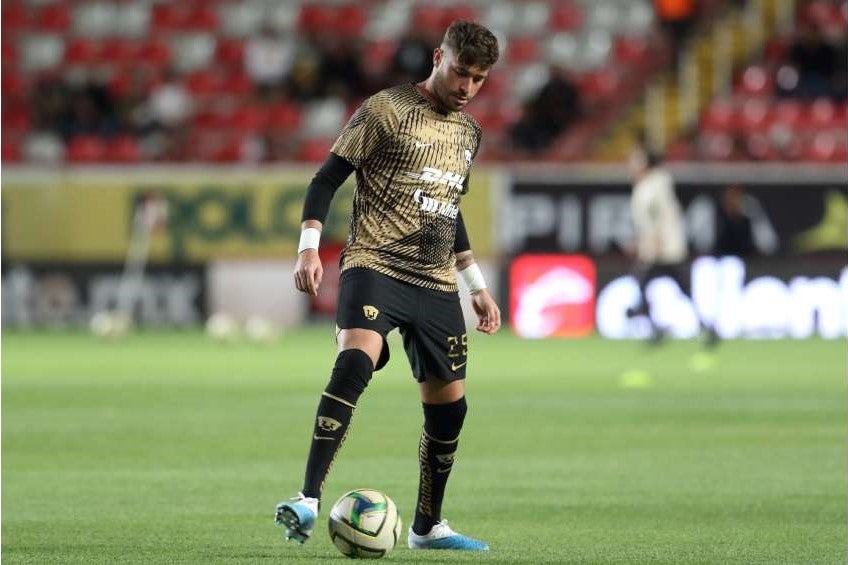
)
(173, 448)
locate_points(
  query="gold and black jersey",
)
(411, 164)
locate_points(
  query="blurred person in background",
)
(413, 58)
(168, 109)
(660, 248)
(268, 59)
(814, 60)
(735, 231)
(341, 71)
(548, 114)
(411, 147)
(676, 18)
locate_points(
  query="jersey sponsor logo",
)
(434, 205)
(370, 312)
(434, 175)
(328, 424)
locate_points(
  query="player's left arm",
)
(488, 313)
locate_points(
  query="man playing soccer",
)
(411, 147)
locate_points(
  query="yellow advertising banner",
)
(87, 215)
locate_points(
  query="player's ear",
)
(437, 57)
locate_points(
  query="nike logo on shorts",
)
(457, 366)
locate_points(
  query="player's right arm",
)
(308, 270)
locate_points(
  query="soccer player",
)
(660, 232)
(411, 147)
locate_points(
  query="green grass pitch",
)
(170, 448)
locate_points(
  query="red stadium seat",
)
(54, 17)
(248, 119)
(168, 16)
(631, 50)
(720, 116)
(316, 18)
(11, 150)
(284, 116)
(350, 20)
(759, 147)
(204, 83)
(566, 17)
(788, 112)
(124, 149)
(10, 54)
(16, 119)
(155, 52)
(14, 85)
(314, 150)
(118, 50)
(15, 17)
(230, 53)
(756, 81)
(827, 147)
(430, 18)
(600, 84)
(755, 114)
(81, 51)
(717, 146)
(85, 149)
(210, 120)
(201, 18)
(237, 84)
(822, 113)
(523, 50)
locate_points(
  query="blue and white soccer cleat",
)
(442, 537)
(298, 516)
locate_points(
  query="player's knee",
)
(351, 374)
(444, 421)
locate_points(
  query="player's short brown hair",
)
(473, 44)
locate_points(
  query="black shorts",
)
(430, 321)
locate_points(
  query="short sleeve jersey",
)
(411, 164)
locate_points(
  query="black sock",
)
(350, 377)
(436, 450)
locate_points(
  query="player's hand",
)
(488, 313)
(308, 272)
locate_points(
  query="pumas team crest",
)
(370, 312)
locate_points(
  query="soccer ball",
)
(364, 523)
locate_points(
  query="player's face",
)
(455, 84)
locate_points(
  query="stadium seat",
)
(168, 16)
(566, 17)
(15, 17)
(81, 51)
(316, 18)
(193, 51)
(54, 17)
(248, 119)
(241, 19)
(720, 116)
(755, 115)
(236, 84)
(350, 20)
(43, 148)
(118, 51)
(717, 146)
(284, 116)
(124, 149)
(132, 20)
(631, 51)
(204, 83)
(755, 81)
(561, 49)
(201, 18)
(11, 150)
(603, 83)
(85, 149)
(95, 19)
(531, 18)
(10, 55)
(16, 119)
(523, 50)
(41, 52)
(230, 53)
(155, 53)
(314, 150)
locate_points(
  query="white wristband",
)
(309, 239)
(473, 278)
